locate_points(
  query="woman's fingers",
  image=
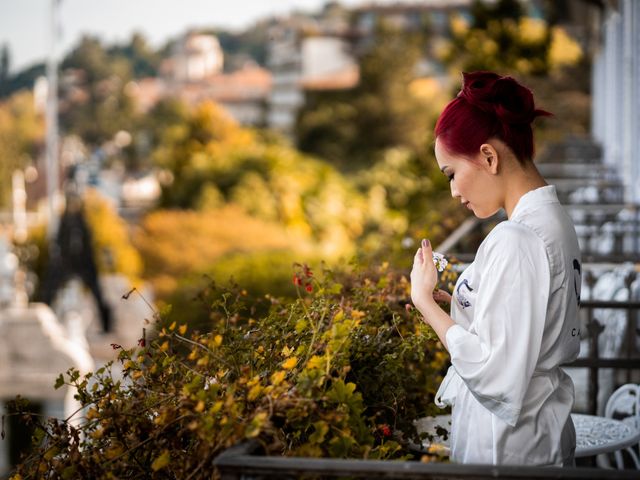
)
(441, 296)
(426, 248)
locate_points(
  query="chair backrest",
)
(624, 404)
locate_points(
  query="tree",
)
(143, 60)
(5, 67)
(352, 128)
(91, 57)
(501, 37)
(23, 80)
(21, 136)
(106, 108)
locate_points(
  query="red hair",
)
(489, 105)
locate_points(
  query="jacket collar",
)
(533, 198)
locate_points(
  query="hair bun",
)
(501, 96)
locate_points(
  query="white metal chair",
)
(624, 405)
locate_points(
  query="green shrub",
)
(333, 373)
(259, 273)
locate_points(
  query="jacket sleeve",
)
(496, 357)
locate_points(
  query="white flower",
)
(439, 261)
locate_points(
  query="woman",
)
(514, 310)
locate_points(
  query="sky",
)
(25, 24)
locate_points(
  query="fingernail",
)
(426, 243)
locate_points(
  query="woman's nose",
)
(454, 192)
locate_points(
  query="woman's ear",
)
(489, 158)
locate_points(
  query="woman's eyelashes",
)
(450, 177)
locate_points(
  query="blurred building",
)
(193, 73)
(243, 93)
(195, 58)
(306, 54)
(616, 96)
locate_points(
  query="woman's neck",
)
(524, 180)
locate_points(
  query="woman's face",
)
(471, 181)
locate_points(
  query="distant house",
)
(195, 58)
(242, 93)
(194, 74)
(305, 53)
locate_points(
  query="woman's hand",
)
(424, 276)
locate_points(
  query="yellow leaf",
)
(172, 327)
(183, 329)
(315, 362)
(278, 377)
(216, 407)
(254, 392)
(290, 363)
(200, 406)
(92, 413)
(161, 461)
(217, 340)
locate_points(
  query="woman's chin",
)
(482, 215)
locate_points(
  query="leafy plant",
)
(337, 372)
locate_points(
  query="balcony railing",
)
(627, 358)
(240, 462)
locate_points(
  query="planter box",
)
(239, 462)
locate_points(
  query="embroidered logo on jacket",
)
(577, 278)
(462, 299)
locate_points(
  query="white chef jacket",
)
(516, 313)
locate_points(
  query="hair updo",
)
(489, 105)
